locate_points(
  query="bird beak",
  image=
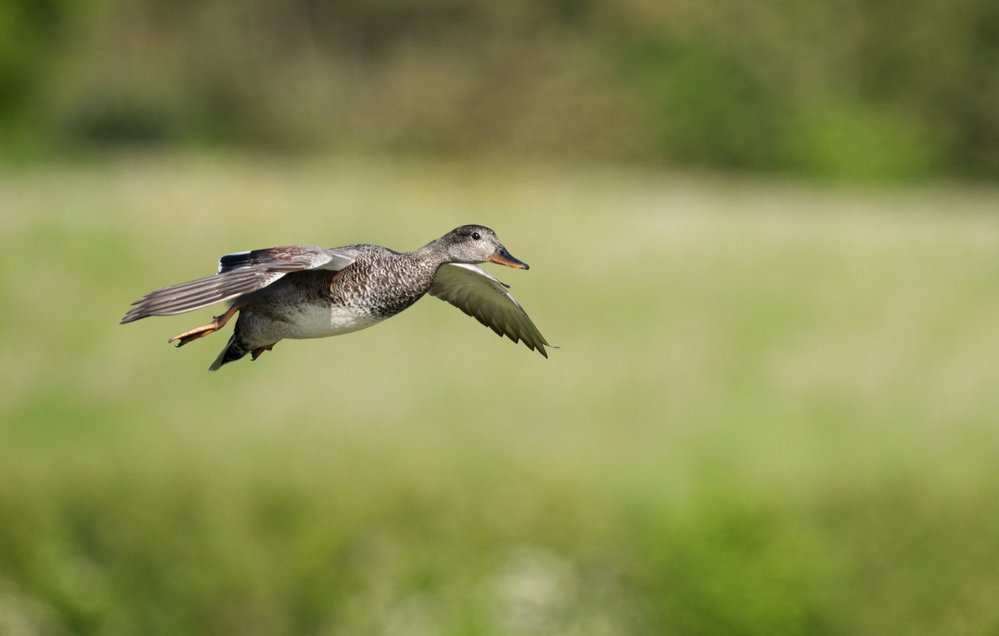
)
(503, 257)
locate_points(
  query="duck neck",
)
(431, 254)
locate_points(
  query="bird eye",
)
(476, 236)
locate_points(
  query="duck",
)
(305, 291)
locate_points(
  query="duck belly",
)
(313, 321)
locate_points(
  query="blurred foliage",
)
(849, 88)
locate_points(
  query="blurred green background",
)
(849, 89)
(764, 235)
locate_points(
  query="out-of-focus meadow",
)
(774, 409)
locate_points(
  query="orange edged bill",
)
(504, 257)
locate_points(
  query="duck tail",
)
(233, 350)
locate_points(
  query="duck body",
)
(318, 303)
(300, 291)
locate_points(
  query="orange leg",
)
(256, 353)
(200, 332)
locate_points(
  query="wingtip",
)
(544, 351)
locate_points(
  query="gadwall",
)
(303, 291)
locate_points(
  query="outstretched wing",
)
(485, 298)
(239, 273)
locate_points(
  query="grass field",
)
(775, 410)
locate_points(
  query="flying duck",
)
(304, 291)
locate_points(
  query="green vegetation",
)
(852, 89)
(773, 412)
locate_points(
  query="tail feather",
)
(233, 350)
